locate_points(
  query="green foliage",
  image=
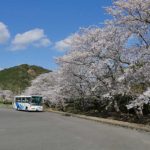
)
(139, 88)
(5, 102)
(18, 78)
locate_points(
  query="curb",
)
(135, 126)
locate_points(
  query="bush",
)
(5, 102)
(122, 101)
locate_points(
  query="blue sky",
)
(30, 29)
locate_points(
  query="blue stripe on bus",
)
(19, 106)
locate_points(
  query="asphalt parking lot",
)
(49, 131)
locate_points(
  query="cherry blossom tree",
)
(101, 61)
(94, 61)
(6, 96)
(134, 17)
(44, 85)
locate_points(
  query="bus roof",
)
(27, 95)
(22, 96)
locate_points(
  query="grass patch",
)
(5, 105)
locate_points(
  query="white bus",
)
(28, 103)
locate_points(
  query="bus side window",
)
(18, 99)
(23, 100)
(27, 100)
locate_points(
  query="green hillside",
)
(19, 77)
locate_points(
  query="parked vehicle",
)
(28, 103)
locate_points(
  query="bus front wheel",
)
(26, 109)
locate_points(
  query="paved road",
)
(49, 131)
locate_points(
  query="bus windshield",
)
(36, 100)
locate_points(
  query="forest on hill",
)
(18, 78)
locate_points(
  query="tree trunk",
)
(139, 112)
(116, 107)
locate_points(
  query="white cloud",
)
(43, 43)
(35, 37)
(64, 44)
(4, 33)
